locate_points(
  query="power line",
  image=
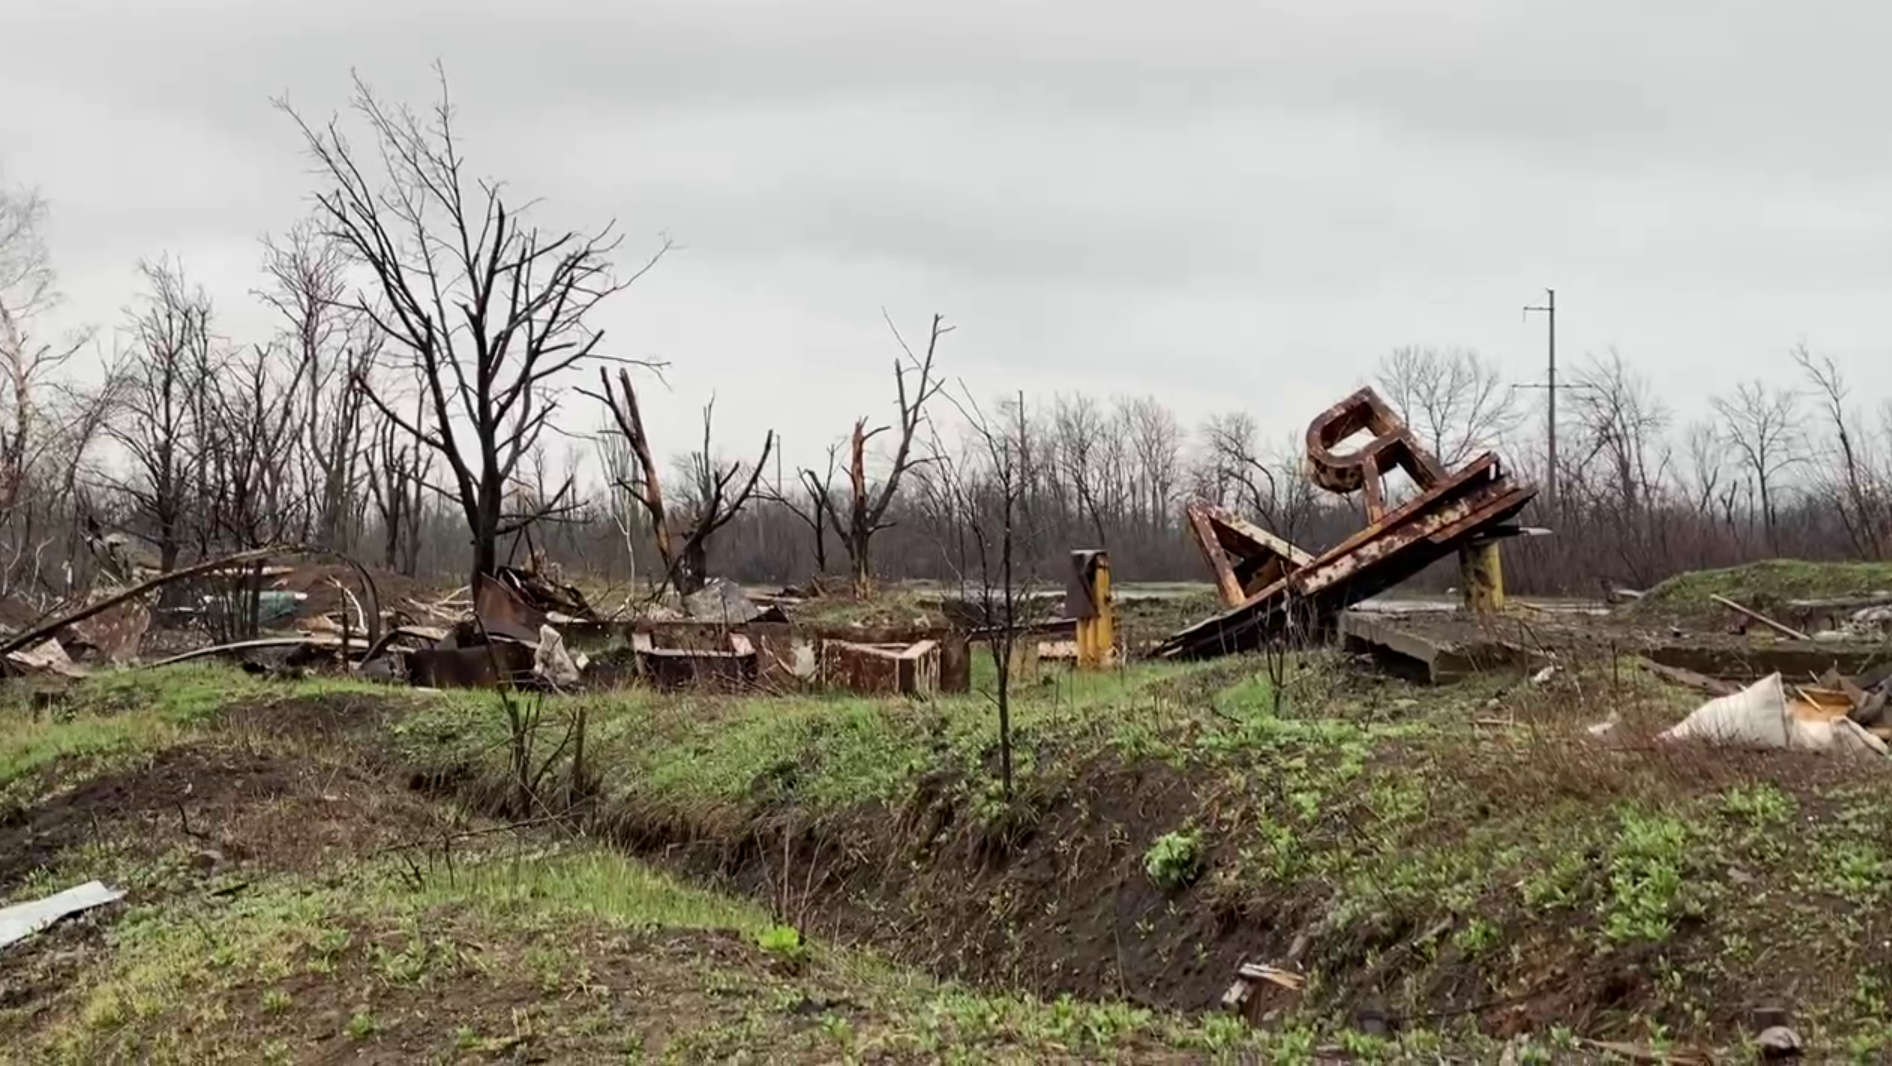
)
(1549, 309)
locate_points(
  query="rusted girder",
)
(1392, 447)
(1271, 587)
(1244, 557)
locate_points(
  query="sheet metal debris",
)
(500, 662)
(22, 920)
(1286, 588)
(894, 669)
(722, 600)
(115, 633)
(46, 657)
(731, 664)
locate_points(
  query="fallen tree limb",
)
(315, 641)
(1710, 685)
(1787, 631)
(34, 634)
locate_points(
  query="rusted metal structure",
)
(1244, 557)
(732, 665)
(891, 669)
(1087, 601)
(1270, 587)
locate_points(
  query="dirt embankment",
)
(1055, 896)
(1052, 893)
(1055, 901)
(234, 802)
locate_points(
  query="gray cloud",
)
(1225, 205)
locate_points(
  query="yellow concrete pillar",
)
(1481, 576)
(1096, 637)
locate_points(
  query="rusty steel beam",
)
(1245, 557)
(1217, 557)
(1392, 446)
(1283, 591)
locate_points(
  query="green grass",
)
(113, 714)
(1763, 585)
(1454, 843)
(363, 950)
(124, 713)
(598, 883)
(824, 753)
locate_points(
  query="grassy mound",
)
(1464, 863)
(1765, 585)
(1464, 857)
(290, 900)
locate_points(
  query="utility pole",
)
(1549, 309)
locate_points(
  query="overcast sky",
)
(1235, 205)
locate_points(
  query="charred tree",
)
(868, 503)
(682, 528)
(160, 405)
(488, 308)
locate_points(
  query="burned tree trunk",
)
(868, 504)
(487, 309)
(683, 535)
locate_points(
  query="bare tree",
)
(1705, 461)
(621, 503)
(1620, 463)
(246, 486)
(868, 503)
(395, 469)
(161, 403)
(711, 498)
(1453, 399)
(819, 492)
(336, 346)
(34, 429)
(1156, 442)
(489, 308)
(1761, 424)
(1269, 486)
(1862, 494)
(1236, 475)
(1080, 434)
(979, 505)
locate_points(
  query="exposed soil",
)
(1064, 907)
(226, 806)
(462, 987)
